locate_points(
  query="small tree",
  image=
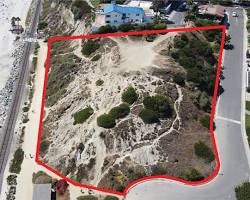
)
(203, 151)
(111, 198)
(106, 121)
(89, 47)
(179, 79)
(148, 116)
(159, 104)
(120, 111)
(15, 166)
(129, 95)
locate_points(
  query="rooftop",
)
(42, 192)
(113, 7)
(210, 9)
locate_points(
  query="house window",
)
(137, 20)
(107, 16)
(107, 22)
(123, 16)
(137, 14)
(115, 21)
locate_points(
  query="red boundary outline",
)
(130, 185)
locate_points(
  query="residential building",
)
(42, 192)
(212, 11)
(115, 15)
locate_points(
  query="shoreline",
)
(12, 52)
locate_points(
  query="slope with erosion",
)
(129, 149)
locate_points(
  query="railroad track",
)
(10, 122)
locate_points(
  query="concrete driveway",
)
(230, 140)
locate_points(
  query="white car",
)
(234, 14)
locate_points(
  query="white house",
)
(116, 15)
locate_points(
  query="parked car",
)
(234, 14)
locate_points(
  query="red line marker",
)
(119, 34)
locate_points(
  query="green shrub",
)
(99, 82)
(82, 115)
(26, 109)
(80, 9)
(243, 191)
(11, 179)
(107, 29)
(179, 43)
(247, 124)
(89, 47)
(111, 198)
(148, 116)
(16, 163)
(96, 57)
(160, 26)
(42, 25)
(204, 101)
(120, 111)
(126, 27)
(87, 197)
(25, 119)
(205, 121)
(179, 79)
(159, 104)
(106, 121)
(193, 175)
(44, 145)
(129, 95)
(203, 151)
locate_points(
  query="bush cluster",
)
(159, 104)
(120, 111)
(131, 27)
(80, 8)
(243, 191)
(89, 47)
(106, 121)
(179, 79)
(200, 68)
(155, 107)
(149, 116)
(87, 197)
(203, 151)
(42, 25)
(193, 175)
(205, 121)
(16, 163)
(82, 115)
(44, 145)
(129, 95)
(111, 198)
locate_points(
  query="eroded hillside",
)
(125, 108)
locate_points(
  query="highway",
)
(8, 130)
(229, 134)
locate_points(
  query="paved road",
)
(9, 128)
(234, 164)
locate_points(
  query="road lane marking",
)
(228, 119)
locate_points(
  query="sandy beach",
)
(10, 51)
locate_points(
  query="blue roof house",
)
(116, 15)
